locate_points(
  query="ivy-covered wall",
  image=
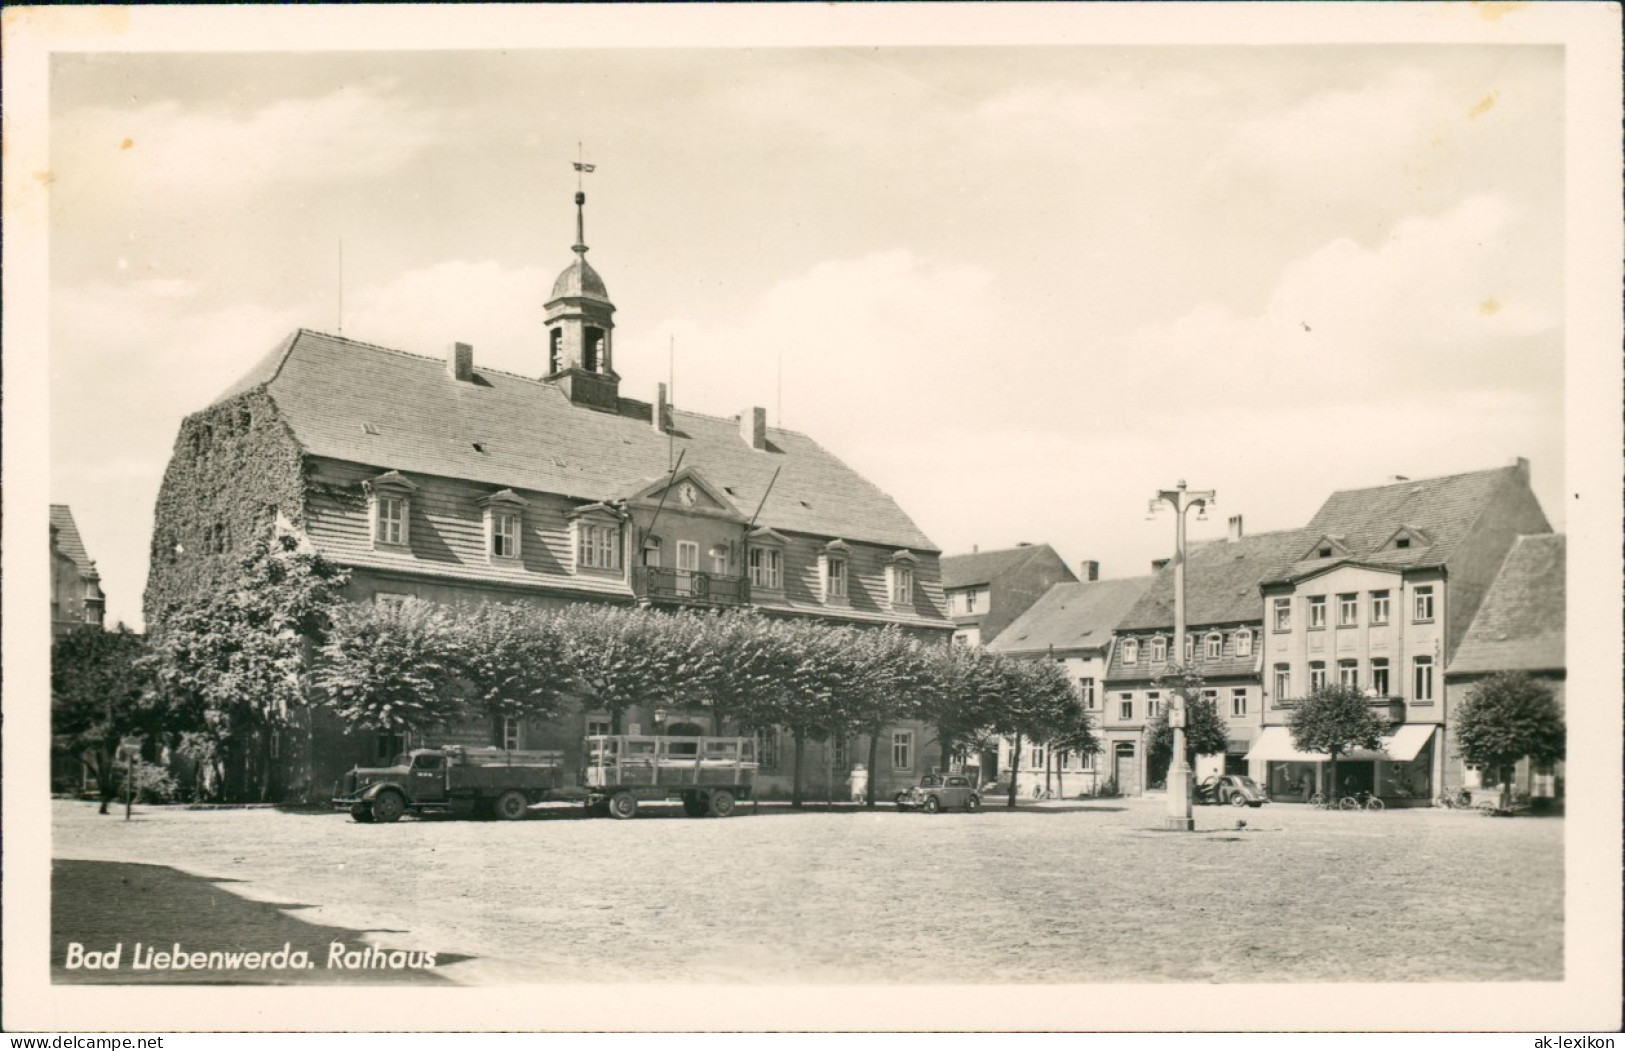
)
(234, 466)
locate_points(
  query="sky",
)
(1020, 288)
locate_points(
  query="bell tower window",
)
(555, 351)
(596, 357)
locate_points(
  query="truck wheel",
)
(695, 805)
(512, 805)
(388, 806)
(932, 804)
(722, 803)
(623, 805)
(362, 813)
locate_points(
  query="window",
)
(1317, 612)
(719, 560)
(1348, 610)
(598, 727)
(599, 546)
(970, 601)
(651, 552)
(1238, 702)
(390, 599)
(505, 534)
(1213, 647)
(688, 556)
(593, 357)
(1086, 691)
(1317, 675)
(1131, 651)
(510, 733)
(1422, 680)
(1159, 650)
(276, 744)
(1125, 706)
(1190, 648)
(389, 747)
(1422, 610)
(390, 496)
(555, 351)
(1403, 542)
(391, 522)
(1212, 697)
(1153, 705)
(1283, 682)
(902, 585)
(840, 751)
(1244, 644)
(902, 750)
(767, 749)
(835, 578)
(1379, 676)
(1379, 607)
(1348, 674)
(766, 568)
(1036, 757)
(1086, 762)
(218, 541)
(1283, 614)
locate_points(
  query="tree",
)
(514, 660)
(101, 693)
(953, 700)
(619, 658)
(1205, 731)
(1041, 706)
(394, 667)
(1509, 717)
(884, 670)
(231, 665)
(1336, 720)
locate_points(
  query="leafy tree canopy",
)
(1508, 717)
(1335, 720)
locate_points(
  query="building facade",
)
(1518, 628)
(76, 587)
(1073, 625)
(1379, 597)
(987, 590)
(440, 480)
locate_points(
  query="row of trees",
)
(230, 669)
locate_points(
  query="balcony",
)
(688, 588)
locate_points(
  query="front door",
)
(1126, 769)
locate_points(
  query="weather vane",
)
(581, 165)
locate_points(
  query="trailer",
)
(465, 782)
(711, 775)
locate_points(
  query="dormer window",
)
(1131, 651)
(597, 532)
(1403, 542)
(390, 499)
(1244, 644)
(504, 524)
(1159, 650)
(765, 560)
(832, 571)
(900, 578)
(1213, 647)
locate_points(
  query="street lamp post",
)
(1179, 774)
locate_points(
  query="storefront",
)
(1400, 773)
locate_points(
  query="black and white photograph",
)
(785, 517)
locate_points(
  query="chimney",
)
(1158, 563)
(1089, 569)
(1521, 466)
(753, 427)
(660, 411)
(460, 362)
(1235, 528)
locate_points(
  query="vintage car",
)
(940, 792)
(1233, 789)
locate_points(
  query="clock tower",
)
(580, 330)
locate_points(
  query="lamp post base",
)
(1178, 824)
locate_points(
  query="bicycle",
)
(1361, 800)
(1319, 801)
(1460, 799)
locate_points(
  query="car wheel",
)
(932, 804)
(388, 806)
(722, 803)
(623, 805)
(1238, 800)
(362, 813)
(512, 805)
(972, 805)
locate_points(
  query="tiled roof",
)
(1520, 625)
(530, 436)
(1072, 616)
(960, 571)
(1443, 510)
(68, 540)
(1221, 581)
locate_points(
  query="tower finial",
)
(580, 247)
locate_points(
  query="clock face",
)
(687, 495)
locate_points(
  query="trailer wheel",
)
(512, 805)
(722, 803)
(623, 805)
(362, 813)
(388, 806)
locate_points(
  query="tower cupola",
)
(580, 329)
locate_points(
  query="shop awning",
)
(1275, 745)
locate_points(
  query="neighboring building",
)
(445, 481)
(76, 587)
(986, 590)
(1379, 596)
(1222, 643)
(1519, 628)
(1071, 624)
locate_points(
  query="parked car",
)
(941, 792)
(1233, 789)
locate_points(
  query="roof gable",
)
(687, 490)
(981, 567)
(510, 431)
(68, 540)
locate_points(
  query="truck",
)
(466, 782)
(709, 775)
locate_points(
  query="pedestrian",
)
(857, 783)
(1306, 785)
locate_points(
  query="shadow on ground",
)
(101, 905)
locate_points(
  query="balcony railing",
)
(689, 587)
